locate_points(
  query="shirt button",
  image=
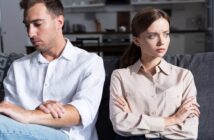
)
(153, 96)
(46, 84)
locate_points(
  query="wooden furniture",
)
(106, 49)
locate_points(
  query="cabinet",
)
(188, 21)
(82, 3)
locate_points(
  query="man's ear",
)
(60, 21)
(136, 41)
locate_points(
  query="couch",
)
(201, 65)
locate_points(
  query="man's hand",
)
(15, 112)
(54, 108)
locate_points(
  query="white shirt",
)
(76, 77)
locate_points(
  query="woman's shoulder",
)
(179, 69)
(121, 71)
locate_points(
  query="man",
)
(53, 93)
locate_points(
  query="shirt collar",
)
(162, 66)
(67, 51)
(136, 66)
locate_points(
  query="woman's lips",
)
(160, 50)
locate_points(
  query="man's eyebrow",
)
(33, 21)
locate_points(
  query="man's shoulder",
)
(25, 59)
(85, 56)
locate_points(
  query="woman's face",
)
(155, 40)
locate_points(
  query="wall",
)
(13, 30)
(183, 16)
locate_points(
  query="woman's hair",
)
(141, 21)
(53, 6)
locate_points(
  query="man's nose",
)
(31, 31)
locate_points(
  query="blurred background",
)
(103, 26)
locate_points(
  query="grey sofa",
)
(202, 67)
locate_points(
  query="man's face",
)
(42, 27)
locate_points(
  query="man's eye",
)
(27, 26)
(37, 24)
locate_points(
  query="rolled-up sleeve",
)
(89, 92)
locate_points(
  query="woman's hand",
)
(120, 102)
(189, 108)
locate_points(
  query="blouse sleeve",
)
(190, 125)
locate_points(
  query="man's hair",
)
(53, 6)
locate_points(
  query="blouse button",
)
(154, 113)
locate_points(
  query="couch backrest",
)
(104, 126)
(202, 67)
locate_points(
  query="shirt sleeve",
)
(127, 124)
(10, 86)
(89, 92)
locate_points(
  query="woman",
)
(150, 98)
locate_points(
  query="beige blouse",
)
(151, 98)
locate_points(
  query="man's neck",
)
(55, 51)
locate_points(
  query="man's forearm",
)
(69, 118)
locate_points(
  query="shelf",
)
(187, 31)
(67, 33)
(119, 33)
(84, 6)
(142, 2)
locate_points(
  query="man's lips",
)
(35, 41)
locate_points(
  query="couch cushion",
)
(3, 68)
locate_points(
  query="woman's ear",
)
(136, 41)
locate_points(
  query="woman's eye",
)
(166, 34)
(152, 36)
